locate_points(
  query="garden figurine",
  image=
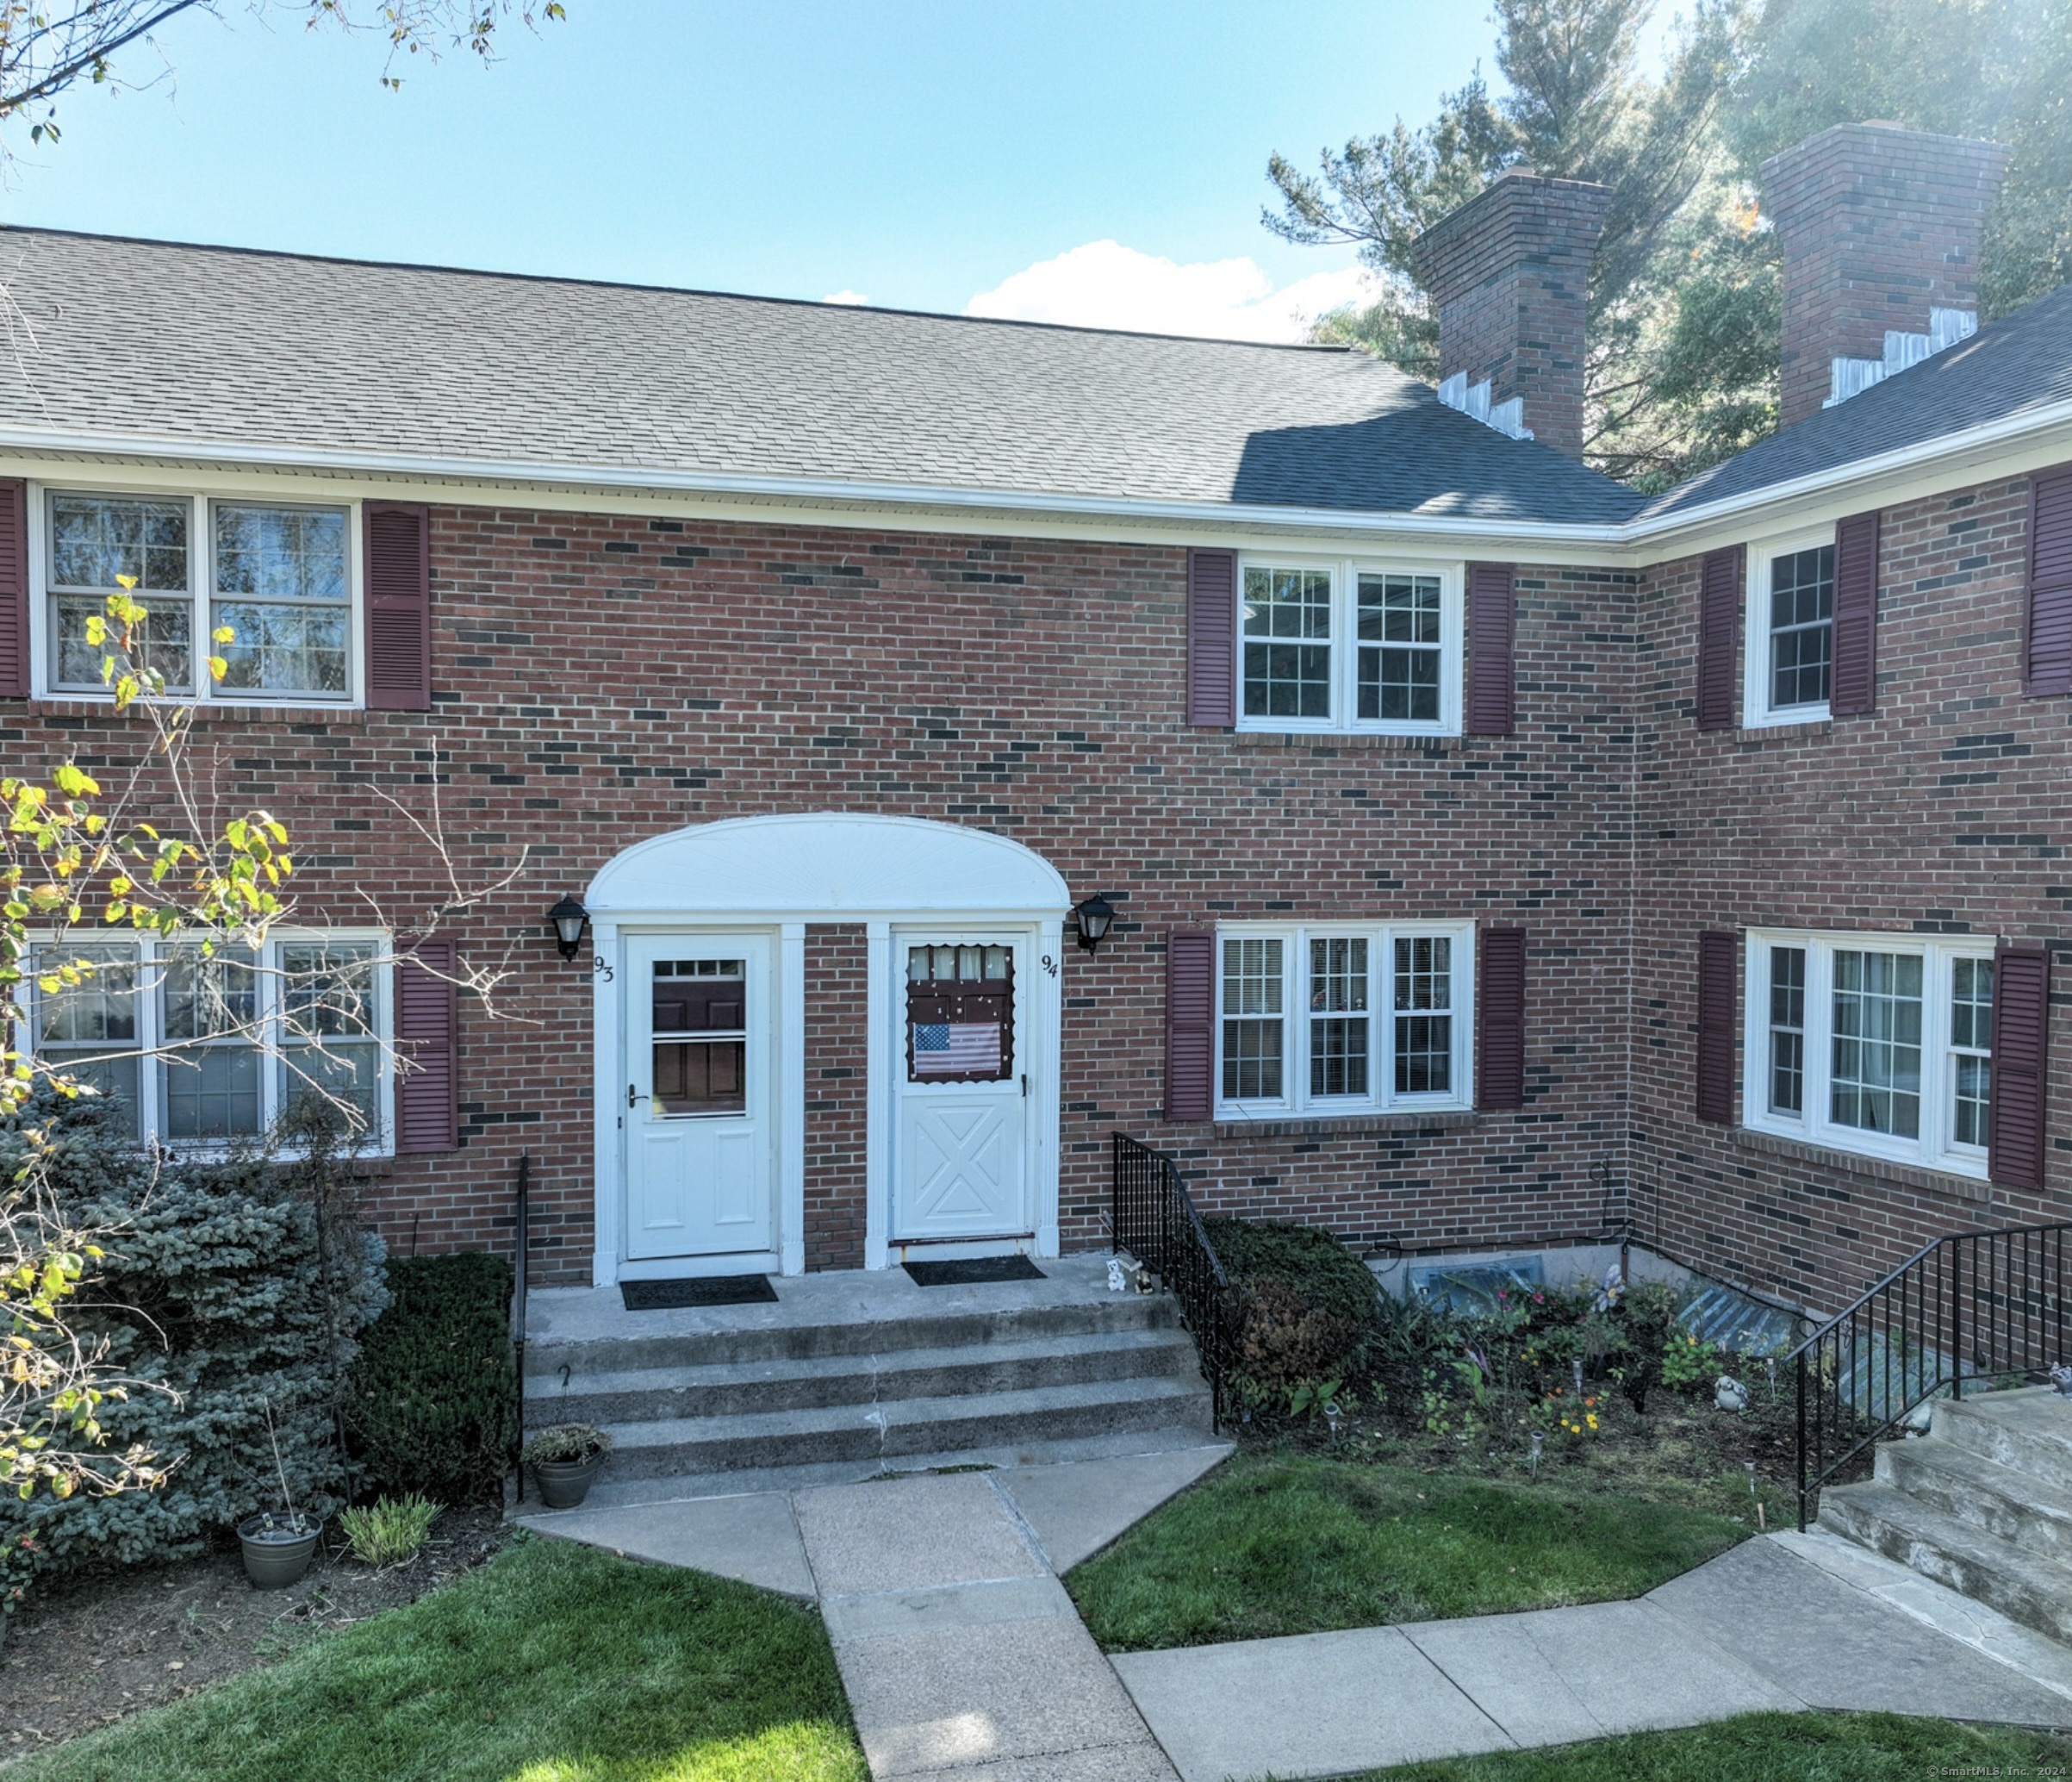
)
(2061, 1380)
(1729, 1394)
(1118, 1281)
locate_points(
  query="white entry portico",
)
(699, 958)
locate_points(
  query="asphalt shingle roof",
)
(235, 347)
(2023, 361)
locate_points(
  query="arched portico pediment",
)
(844, 864)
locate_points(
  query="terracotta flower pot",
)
(564, 1484)
(276, 1554)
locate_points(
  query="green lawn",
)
(553, 1663)
(1771, 1748)
(1302, 1544)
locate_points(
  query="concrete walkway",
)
(965, 1662)
(1761, 1627)
(963, 1655)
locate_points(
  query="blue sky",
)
(914, 154)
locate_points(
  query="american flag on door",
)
(956, 1048)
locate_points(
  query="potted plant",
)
(565, 1460)
(277, 1548)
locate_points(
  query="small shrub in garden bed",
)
(390, 1530)
(434, 1402)
(1309, 1302)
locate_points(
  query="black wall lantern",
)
(1094, 916)
(568, 918)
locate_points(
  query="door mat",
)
(973, 1271)
(709, 1290)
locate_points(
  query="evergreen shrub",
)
(433, 1404)
(1309, 1302)
(230, 1296)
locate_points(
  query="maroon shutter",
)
(399, 607)
(14, 588)
(1212, 638)
(2021, 1030)
(1852, 688)
(1718, 637)
(1718, 976)
(1190, 1023)
(427, 1080)
(2047, 655)
(1490, 674)
(1500, 1021)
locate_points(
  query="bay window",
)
(1342, 1020)
(1349, 646)
(210, 1048)
(1875, 1043)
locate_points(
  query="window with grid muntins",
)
(1401, 648)
(1971, 1048)
(281, 588)
(1884, 1048)
(1424, 1019)
(212, 1048)
(1788, 1029)
(1338, 1015)
(94, 542)
(1287, 630)
(1802, 627)
(1253, 1020)
(1379, 1017)
(1876, 1078)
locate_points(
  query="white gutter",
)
(824, 490)
(839, 491)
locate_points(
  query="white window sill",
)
(89, 704)
(1796, 719)
(1282, 1123)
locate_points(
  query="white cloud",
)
(851, 297)
(1103, 284)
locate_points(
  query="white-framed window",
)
(1878, 1044)
(279, 575)
(207, 1050)
(1348, 645)
(1790, 632)
(1341, 1019)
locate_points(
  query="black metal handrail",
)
(521, 1245)
(1154, 1218)
(1972, 1306)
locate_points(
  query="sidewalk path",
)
(963, 1655)
(1762, 1626)
(965, 1662)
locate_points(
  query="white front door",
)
(960, 1069)
(700, 1052)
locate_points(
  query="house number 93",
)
(602, 966)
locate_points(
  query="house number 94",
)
(1050, 966)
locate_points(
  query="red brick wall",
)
(1941, 813)
(836, 1095)
(1878, 225)
(599, 680)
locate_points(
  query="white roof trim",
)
(834, 491)
(838, 865)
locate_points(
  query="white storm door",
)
(960, 1067)
(700, 1149)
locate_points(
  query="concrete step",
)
(2014, 1507)
(2029, 1429)
(654, 1394)
(2033, 1591)
(891, 1433)
(757, 1333)
(612, 1491)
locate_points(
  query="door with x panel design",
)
(960, 1164)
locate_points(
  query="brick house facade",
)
(622, 655)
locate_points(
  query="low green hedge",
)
(1310, 1302)
(433, 1405)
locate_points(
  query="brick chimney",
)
(1879, 228)
(1510, 271)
